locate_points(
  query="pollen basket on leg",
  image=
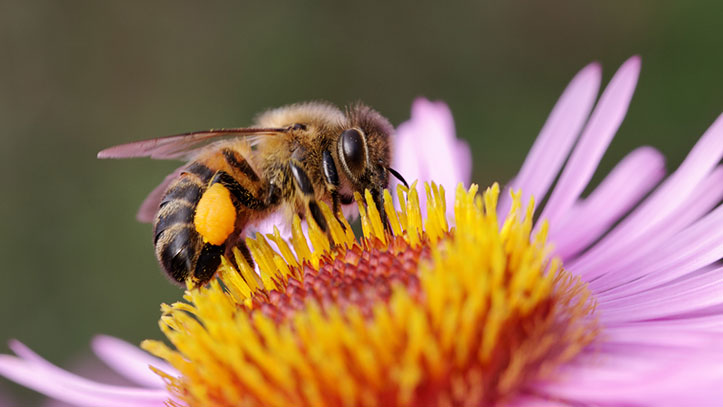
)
(426, 315)
(215, 216)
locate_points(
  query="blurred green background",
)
(78, 76)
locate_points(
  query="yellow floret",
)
(215, 215)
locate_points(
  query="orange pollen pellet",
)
(215, 217)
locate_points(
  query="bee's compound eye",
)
(352, 149)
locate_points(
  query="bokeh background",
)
(78, 76)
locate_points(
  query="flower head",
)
(615, 298)
(424, 316)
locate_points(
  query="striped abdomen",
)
(177, 243)
(187, 246)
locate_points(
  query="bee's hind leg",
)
(242, 196)
(243, 200)
(208, 261)
(239, 243)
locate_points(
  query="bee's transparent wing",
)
(180, 146)
(149, 207)
(183, 146)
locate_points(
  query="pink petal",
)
(672, 238)
(60, 388)
(596, 137)
(265, 226)
(405, 157)
(130, 361)
(708, 323)
(426, 149)
(463, 162)
(628, 182)
(686, 379)
(689, 250)
(700, 291)
(702, 313)
(556, 138)
(656, 210)
(529, 400)
(36, 373)
(657, 338)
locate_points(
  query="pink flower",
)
(648, 250)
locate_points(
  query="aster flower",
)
(611, 299)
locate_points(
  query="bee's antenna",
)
(398, 176)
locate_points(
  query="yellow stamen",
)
(283, 247)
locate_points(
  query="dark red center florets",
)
(360, 276)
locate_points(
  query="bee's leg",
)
(240, 165)
(243, 200)
(243, 197)
(273, 195)
(207, 263)
(318, 216)
(305, 186)
(331, 178)
(239, 242)
(336, 207)
(377, 198)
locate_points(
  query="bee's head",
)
(363, 148)
(364, 151)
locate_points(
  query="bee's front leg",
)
(377, 198)
(331, 180)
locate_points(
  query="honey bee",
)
(292, 158)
